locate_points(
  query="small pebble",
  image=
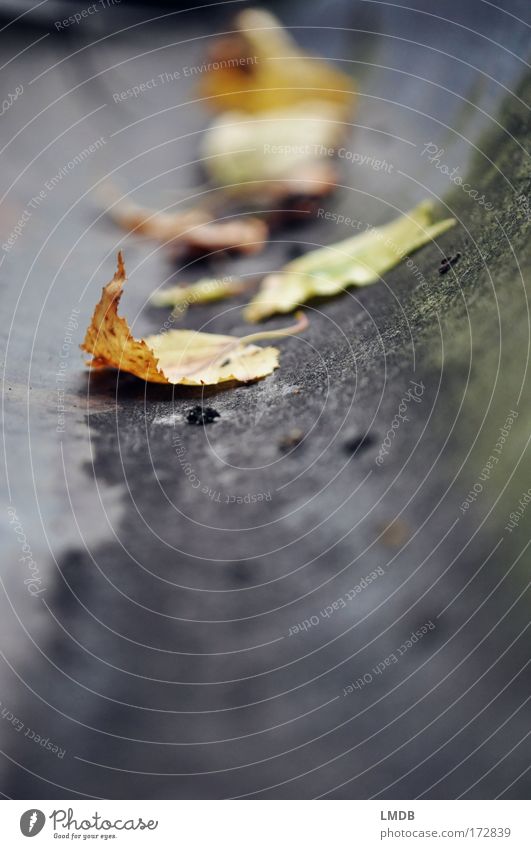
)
(202, 415)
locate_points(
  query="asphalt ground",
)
(219, 640)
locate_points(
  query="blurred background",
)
(161, 640)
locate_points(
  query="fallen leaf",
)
(204, 291)
(295, 195)
(179, 356)
(284, 113)
(357, 261)
(273, 145)
(193, 229)
(260, 67)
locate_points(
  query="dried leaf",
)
(290, 114)
(357, 261)
(179, 356)
(193, 229)
(274, 145)
(261, 68)
(204, 291)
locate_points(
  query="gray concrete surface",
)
(159, 655)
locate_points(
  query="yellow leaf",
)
(204, 291)
(261, 68)
(273, 145)
(356, 261)
(179, 356)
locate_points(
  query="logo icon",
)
(31, 822)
